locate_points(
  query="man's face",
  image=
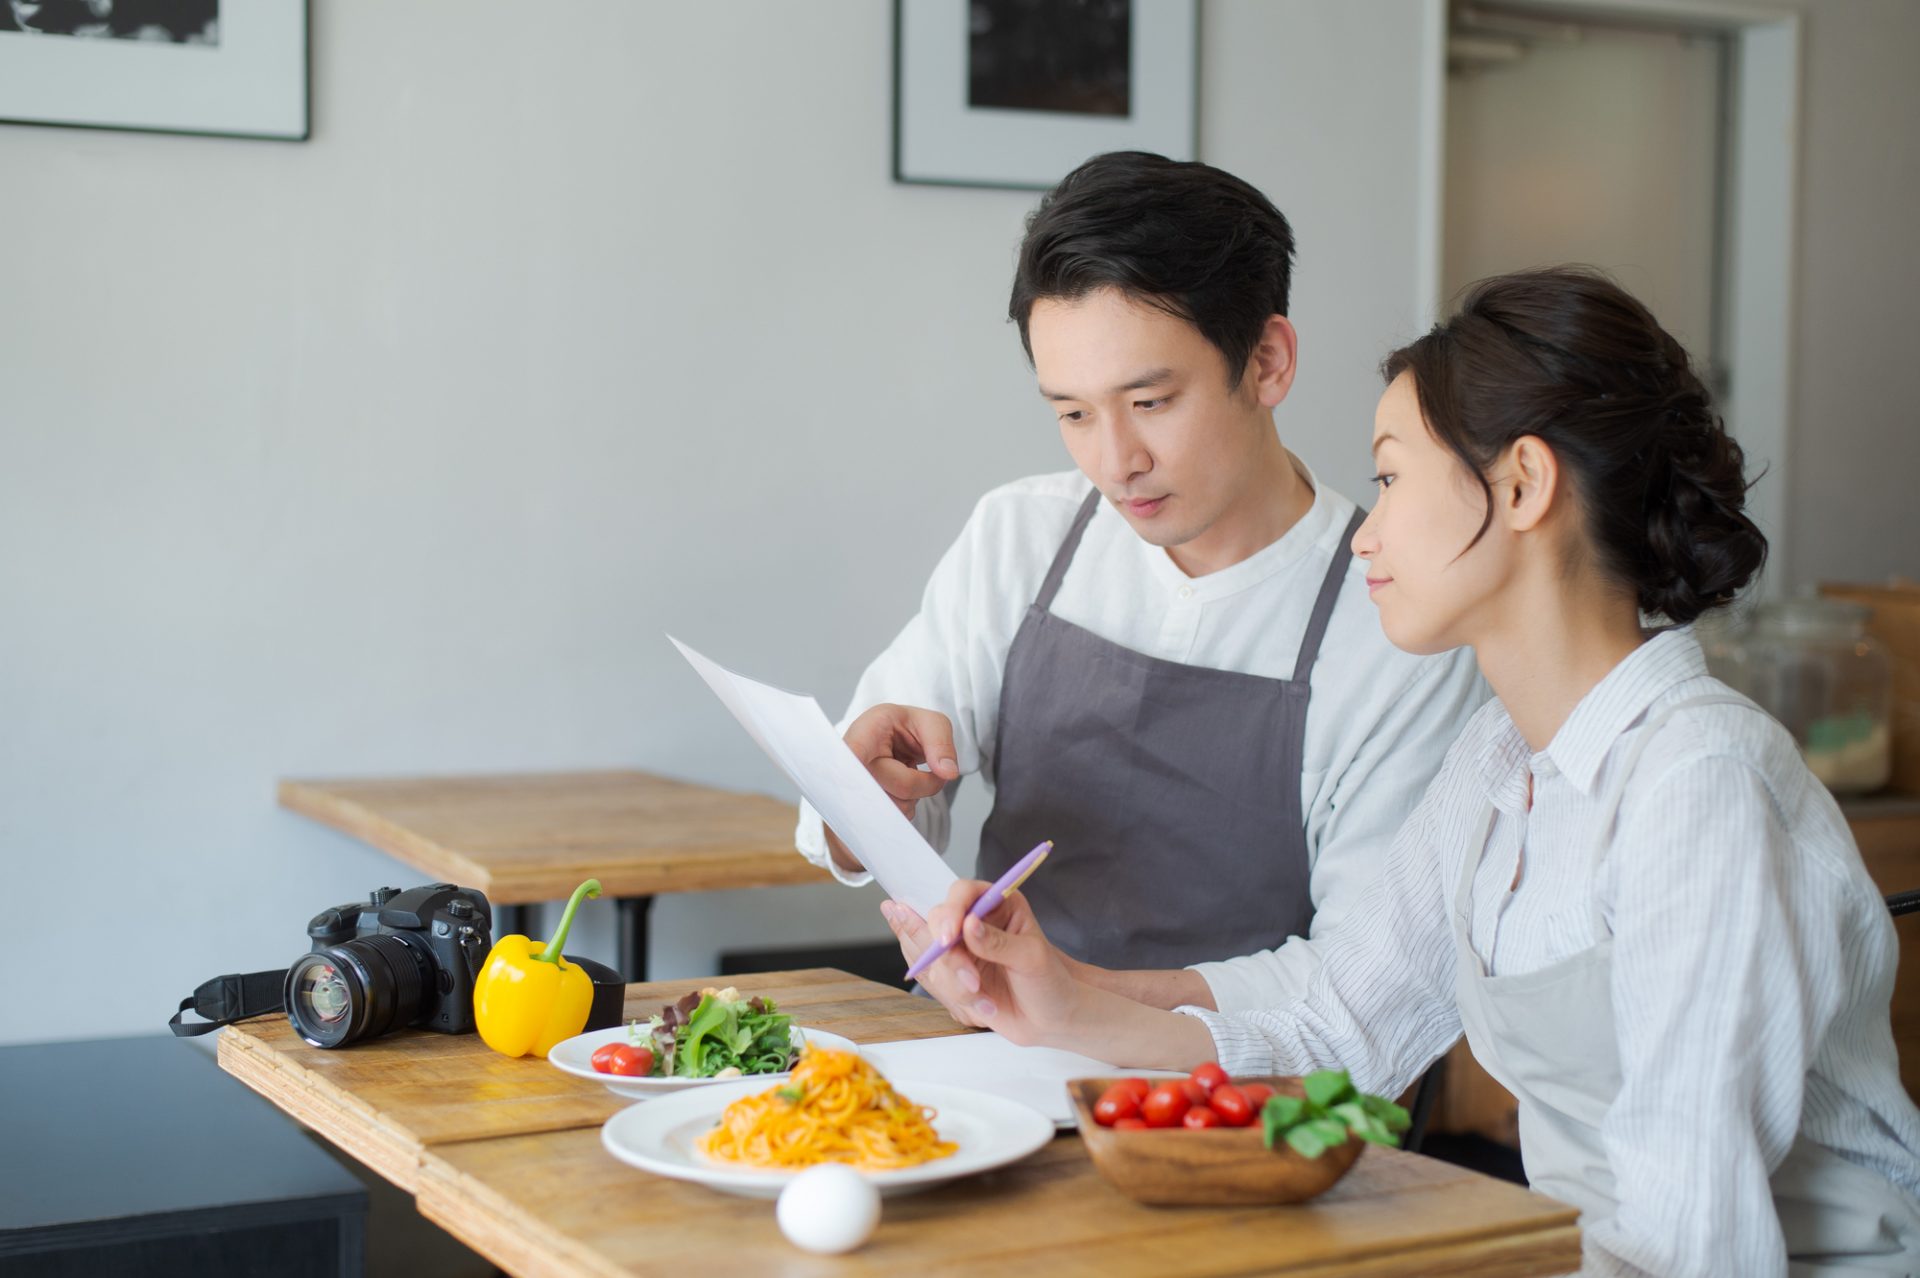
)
(1146, 411)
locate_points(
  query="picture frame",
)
(1017, 93)
(166, 69)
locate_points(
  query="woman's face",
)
(1432, 591)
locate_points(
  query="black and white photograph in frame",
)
(231, 67)
(1015, 93)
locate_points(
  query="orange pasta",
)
(836, 1109)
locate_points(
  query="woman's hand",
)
(1004, 974)
(911, 931)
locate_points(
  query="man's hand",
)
(893, 742)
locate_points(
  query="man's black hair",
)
(1196, 242)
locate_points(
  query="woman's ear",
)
(1528, 484)
(1271, 362)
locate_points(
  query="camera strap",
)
(226, 999)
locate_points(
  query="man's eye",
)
(1149, 404)
(1073, 416)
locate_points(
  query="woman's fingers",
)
(1023, 952)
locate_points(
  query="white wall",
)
(396, 451)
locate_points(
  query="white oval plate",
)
(575, 1056)
(659, 1137)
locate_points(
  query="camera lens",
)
(358, 989)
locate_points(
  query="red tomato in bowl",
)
(1166, 1104)
(603, 1057)
(1209, 1076)
(1232, 1105)
(1196, 1093)
(1115, 1104)
(1257, 1095)
(1136, 1087)
(1200, 1117)
(633, 1062)
(1131, 1125)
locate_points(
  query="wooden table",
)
(531, 837)
(506, 1155)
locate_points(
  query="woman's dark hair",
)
(1568, 356)
(1197, 243)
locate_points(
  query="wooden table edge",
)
(356, 1132)
(313, 799)
(358, 821)
(528, 1247)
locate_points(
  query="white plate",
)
(659, 1137)
(575, 1055)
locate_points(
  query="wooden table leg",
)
(631, 950)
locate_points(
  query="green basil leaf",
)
(1326, 1087)
(1306, 1142)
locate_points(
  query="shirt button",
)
(1186, 592)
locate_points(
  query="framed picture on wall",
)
(1016, 93)
(234, 67)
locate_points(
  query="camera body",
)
(396, 959)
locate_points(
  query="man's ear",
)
(1271, 363)
(1528, 485)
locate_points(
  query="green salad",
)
(717, 1034)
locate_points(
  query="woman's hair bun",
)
(1568, 356)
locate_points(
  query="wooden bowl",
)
(1223, 1166)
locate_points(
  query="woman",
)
(1624, 886)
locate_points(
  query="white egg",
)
(828, 1209)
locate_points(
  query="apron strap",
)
(1611, 813)
(1329, 594)
(1058, 572)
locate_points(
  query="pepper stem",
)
(552, 953)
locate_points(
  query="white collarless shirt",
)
(1378, 722)
(1752, 957)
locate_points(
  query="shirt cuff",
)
(1252, 982)
(1240, 1049)
(810, 838)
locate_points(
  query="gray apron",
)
(1548, 1037)
(1171, 792)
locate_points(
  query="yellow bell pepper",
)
(528, 998)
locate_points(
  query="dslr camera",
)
(395, 959)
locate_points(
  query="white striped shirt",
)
(1753, 958)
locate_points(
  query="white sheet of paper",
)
(1034, 1076)
(797, 735)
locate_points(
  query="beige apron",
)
(1548, 1037)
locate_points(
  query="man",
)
(1163, 661)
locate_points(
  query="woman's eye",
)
(1385, 481)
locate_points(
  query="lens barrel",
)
(358, 989)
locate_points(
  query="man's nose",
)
(1123, 455)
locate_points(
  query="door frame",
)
(1762, 198)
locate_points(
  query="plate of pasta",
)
(745, 1137)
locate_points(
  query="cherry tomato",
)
(1165, 1105)
(1231, 1104)
(1138, 1087)
(1200, 1116)
(1131, 1125)
(1257, 1095)
(1209, 1076)
(1115, 1105)
(1196, 1093)
(636, 1062)
(603, 1057)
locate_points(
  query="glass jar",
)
(1813, 666)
